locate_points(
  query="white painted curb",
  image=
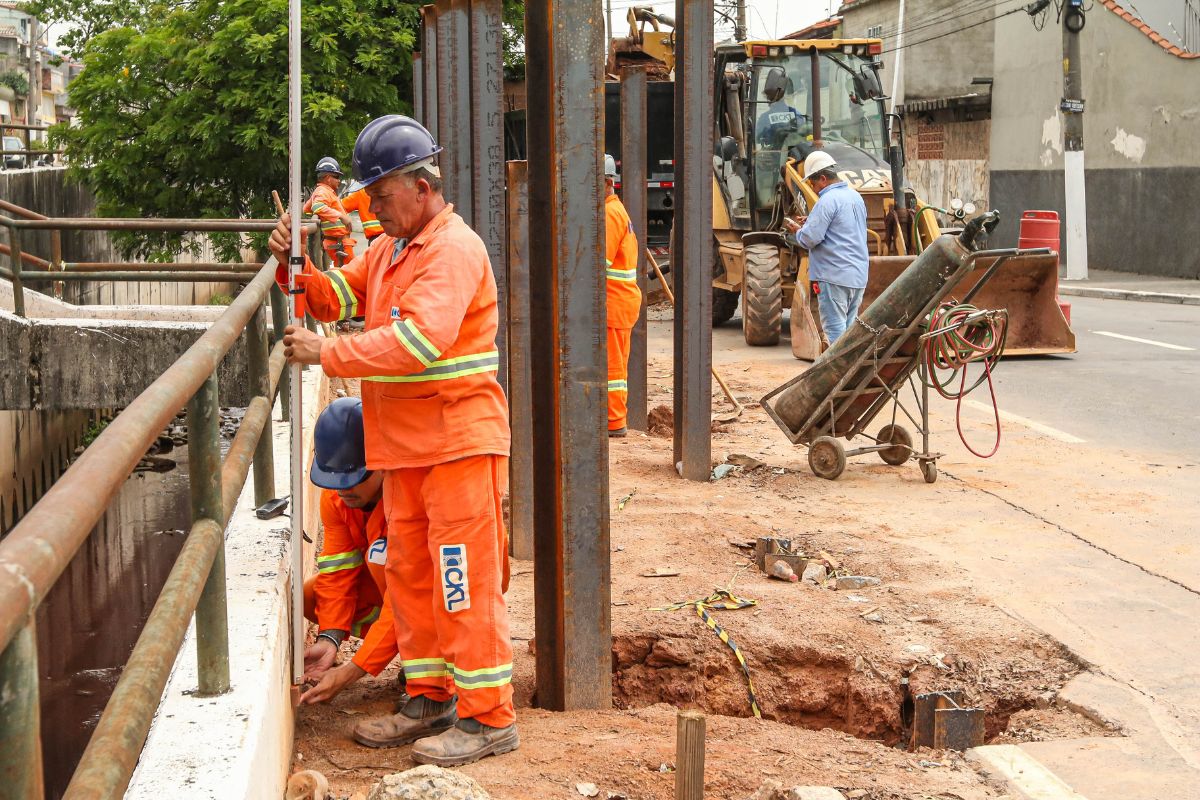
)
(1024, 774)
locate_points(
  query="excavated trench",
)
(795, 684)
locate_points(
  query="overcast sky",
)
(767, 19)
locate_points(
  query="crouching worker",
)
(347, 595)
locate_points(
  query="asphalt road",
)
(1131, 394)
(1139, 395)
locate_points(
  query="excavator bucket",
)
(1025, 285)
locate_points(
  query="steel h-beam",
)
(692, 250)
(487, 148)
(520, 492)
(454, 103)
(565, 52)
(429, 69)
(418, 86)
(633, 195)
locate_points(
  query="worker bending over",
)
(624, 299)
(335, 222)
(346, 596)
(436, 424)
(835, 235)
(357, 200)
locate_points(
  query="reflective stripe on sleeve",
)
(618, 386)
(627, 275)
(415, 342)
(346, 298)
(447, 368)
(357, 628)
(335, 562)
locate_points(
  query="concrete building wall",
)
(1141, 140)
(945, 46)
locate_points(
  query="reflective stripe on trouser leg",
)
(618, 376)
(410, 585)
(468, 550)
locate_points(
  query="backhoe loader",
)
(777, 101)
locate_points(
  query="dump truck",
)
(831, 99)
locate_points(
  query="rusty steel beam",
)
(418, 86)
(633, 195)
(454, 104)
(154, 266)
(156, 277)
(429, 69)
(565, 51)
(520, 466)
(41, 545)
(487, 148)
(692, 250)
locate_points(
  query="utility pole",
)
(739, 27)
(1073, 170)
(33, 98)
(899, 58)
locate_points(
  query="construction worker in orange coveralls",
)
(357, 200)
(335, 222)
(436, 424)
(624, 297)
(346, 596)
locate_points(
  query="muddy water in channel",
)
(88, 624)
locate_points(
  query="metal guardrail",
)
(38, 549)
(56, 269)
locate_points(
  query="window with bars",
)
(875, 32)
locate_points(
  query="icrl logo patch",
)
(456, 591)
(395, 312)
(377, 554)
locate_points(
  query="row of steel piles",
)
(550, 274)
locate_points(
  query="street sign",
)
(1071, 106)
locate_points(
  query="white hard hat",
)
(817, 160)
(610, 166)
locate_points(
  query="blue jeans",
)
(839, 306)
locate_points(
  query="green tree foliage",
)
(86, 18)
(183, 107)
(17, 81)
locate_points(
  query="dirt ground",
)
(833, 671)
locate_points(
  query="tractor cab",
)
(779, 100)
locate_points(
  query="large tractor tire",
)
(724, 302)
(762, 296)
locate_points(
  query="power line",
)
(1018, 10)
(925, 24)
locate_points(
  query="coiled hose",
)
(960, 334)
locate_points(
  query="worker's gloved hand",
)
(318, 658)
(332, 682)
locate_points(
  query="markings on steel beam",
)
(1139, 340)
(1033, 425)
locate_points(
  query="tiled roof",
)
(1116, 8)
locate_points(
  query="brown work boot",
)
(468, 741)
(419, 717)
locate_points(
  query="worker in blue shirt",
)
(835, 236)
(780, 118)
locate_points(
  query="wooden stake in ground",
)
(738, 407)
(689, 755)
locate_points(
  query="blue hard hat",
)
(388, 144)
(329, 165)
(339, 456)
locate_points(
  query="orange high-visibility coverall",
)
(436, 420)
(348, 590)
(358, 201)
(325, 204)
(624, 304)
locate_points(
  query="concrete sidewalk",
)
(1130, 286)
